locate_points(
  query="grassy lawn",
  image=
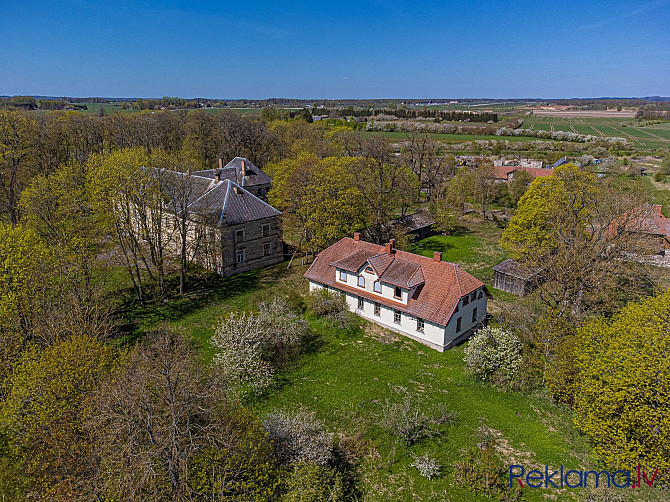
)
(475, 249)
(348, 382)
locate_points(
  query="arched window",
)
(361, 281)
(377, 286)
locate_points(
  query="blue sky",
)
(335, 49)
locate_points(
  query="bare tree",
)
(165, 432)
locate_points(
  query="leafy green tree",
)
(622, 400)
(18, 137)
(25, 274)
(318, 198)
(310, 482)
(43, 414)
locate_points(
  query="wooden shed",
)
(515, 278)
(419, 224)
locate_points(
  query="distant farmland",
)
(645, 135)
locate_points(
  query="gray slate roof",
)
(233, 171)
(218, 203)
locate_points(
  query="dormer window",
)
(343, 276)
(361, 281)
(397, 292)
(377, 286)
(368, 270)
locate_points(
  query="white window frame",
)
(343, 276)
(361, 279)
(361, 303)
(375, 285)
(397, 317)
(240, 252)
(378, 309)
(420, 325)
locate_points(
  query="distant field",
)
(460, 138)
(585, 113)
(642, 135)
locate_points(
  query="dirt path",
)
(624, 133)
(597, 131)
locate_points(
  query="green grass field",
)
(643, 135)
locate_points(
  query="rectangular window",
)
(361, 303)
(343, 276)
(266, 249)
(240, 256)
(458, 325)
(466, 300)
(397, 316)
(266, 230)
(239, 236)
(377, 287)
(419, 324)
(361, 281)
(473, 296)
(378, 309)
(474, 314)
(397, 292)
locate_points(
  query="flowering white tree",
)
(252, 345)
(494, 355)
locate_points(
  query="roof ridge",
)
(225, 202)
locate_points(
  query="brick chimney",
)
(357, 236)
(437, 256)
(392, 243)
(220, 163)
(244, 168)
(390, 247)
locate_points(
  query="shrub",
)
(427, 466)
(253, 345)
(333, 307)
(299, 437)
(481, 471)
(494, 355)
(410, 424)
(310, 482)
(659, 177)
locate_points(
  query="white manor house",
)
(427, 299)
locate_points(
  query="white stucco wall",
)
(433, 335)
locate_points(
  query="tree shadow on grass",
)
(204, 289)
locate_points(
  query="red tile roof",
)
(502, 172)
(440, 284)
(537, 172)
